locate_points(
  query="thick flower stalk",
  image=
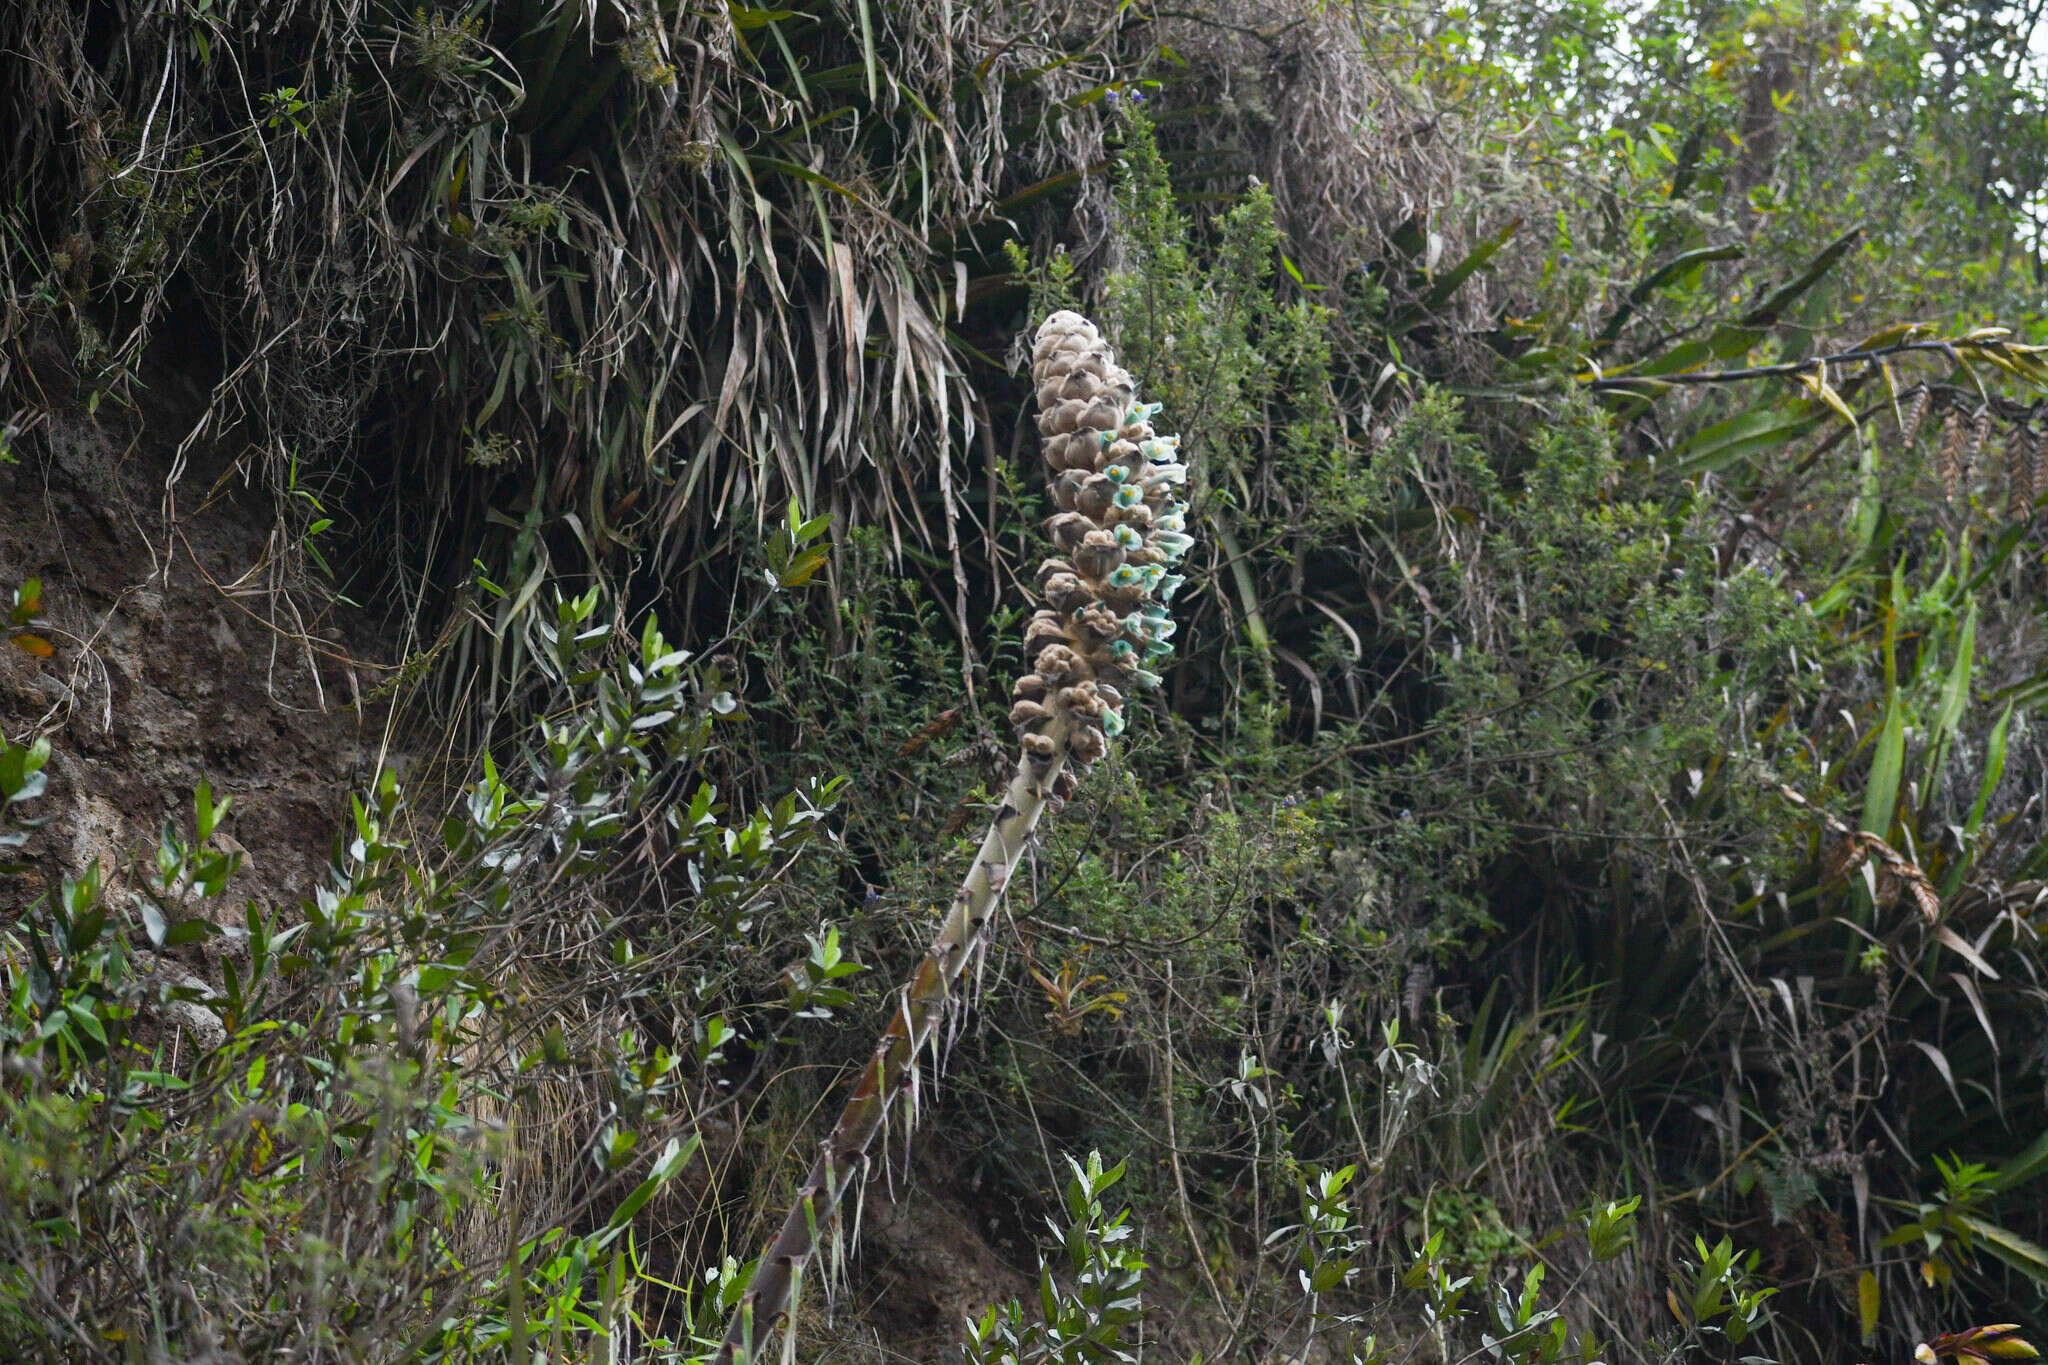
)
(1104, 628)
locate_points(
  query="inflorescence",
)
(1121, 527)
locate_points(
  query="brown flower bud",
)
(1078, 450)
(1111, 677)
(1084, 386)
(1066, 592)
(1123, 600)
(1030, 687)
(1058, 664)
(1045, 629)
(1086, 744)
(1027, 713)
(1064, 417)
(1039, 746)
(1106, 413)
(1097, 624)
(1049, 569)
(1094, 496)
(1097, 554)
(1081, 699)
(1067, 529)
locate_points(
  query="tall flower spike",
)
(1108, 586)
(1097, 425)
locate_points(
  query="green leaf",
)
(1994, 769)
(1955, 690)
(88, 1021)
(153, 922)
(1769, 310)
(2028, 1165)
(1882, 794)
(28, 601)
(188, 931)
(802, 568)
(1449, 282)
(744, 18)
(672, 1159)
(2008, 1246)
(1678, 265)
(1746, 433)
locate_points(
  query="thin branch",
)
(1629, 383)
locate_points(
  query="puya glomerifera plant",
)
(1122, 526)
(1104, 629)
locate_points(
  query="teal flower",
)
(1166, 473)
(1124, 576)
(1171, 521)
(1144, 677)
(1169, 585)
(1130, 495)
(1122, 649)
(1173, 543)
(1127, 538)
(1116, 473)
(1150, 623)
(1150, 576)
(1112, 722)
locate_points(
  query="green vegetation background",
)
(1589, 841)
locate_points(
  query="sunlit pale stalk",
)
(1104, 626)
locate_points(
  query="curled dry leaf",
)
(1853, 848)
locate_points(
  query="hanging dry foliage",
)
(1948, 458)
(2022, 468)
(1915, 416)
(1980, 431)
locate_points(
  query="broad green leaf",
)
(1882, 794)
(1725, 343)
(2028, 1165)
(2008, 1246)
(1771, 308)
(1723, 443)
(672, 1159)
(1955, 690)
(1678, 265)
